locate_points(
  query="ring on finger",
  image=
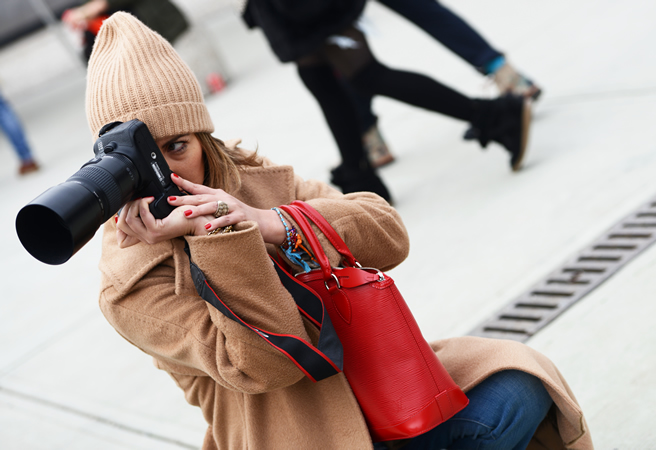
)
(221, 209)
(224, 230)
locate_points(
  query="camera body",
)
(131, 144)
(127, 165)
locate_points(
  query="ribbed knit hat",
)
(134, 73)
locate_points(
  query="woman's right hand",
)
(135, 224)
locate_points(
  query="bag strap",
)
(326, 360)
(327, 230)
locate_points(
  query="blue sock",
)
(494, 65)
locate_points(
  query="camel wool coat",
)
(252, 396)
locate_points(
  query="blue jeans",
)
(447, 28)
(503, 413)
(11, 125)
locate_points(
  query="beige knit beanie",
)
(134, 73)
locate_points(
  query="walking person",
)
(11, 125)
(457, 35)
(326, 47)
(251, 394)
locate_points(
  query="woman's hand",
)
(136, 224)
(201, 205)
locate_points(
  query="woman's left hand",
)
(202, 201)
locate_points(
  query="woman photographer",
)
(251, 395)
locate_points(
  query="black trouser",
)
(320, 72)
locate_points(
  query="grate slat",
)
(534, 309)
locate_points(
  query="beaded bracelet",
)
(292, 239)
(292, 243)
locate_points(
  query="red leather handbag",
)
(401, 386)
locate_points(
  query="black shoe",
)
(350, 179)
(506, 120)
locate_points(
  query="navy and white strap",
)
(318, 362)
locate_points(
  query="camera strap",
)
(317, 363)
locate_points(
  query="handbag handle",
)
(327, 231)
(311, 239)
(317, 363)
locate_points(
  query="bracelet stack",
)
(292, 239)
(292, 245)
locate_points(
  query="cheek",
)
(198, 169)
(191, 169)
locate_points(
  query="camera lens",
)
(55, 225)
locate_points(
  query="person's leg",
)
(358, 65)
(458, 36)
(447, 28)
(362, 104)
(355, 173)
(503, 413)
(374, 145)
(504, 120)
(337, 109)
(414, 89)
(10, 123)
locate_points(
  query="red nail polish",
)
(208, 226)
(175, 175)
(188, 212)
(172, 198)
(116, 219)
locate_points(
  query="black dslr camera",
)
(128, 165)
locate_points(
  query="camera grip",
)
(160, 207)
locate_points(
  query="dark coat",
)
(296, 28)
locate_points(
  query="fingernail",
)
(116, 219)
(172, 198)
(208, 226)
(175, 175)
(188, 212)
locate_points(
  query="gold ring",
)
(221, 209)
(224, 230)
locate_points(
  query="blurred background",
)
(480, 235)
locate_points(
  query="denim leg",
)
(448, 28)
(11, 125)
(503, 413)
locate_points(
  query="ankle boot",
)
(358, 179)
(505, 120)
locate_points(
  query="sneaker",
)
(357, 180)
(509, 81)
(376, 148)
(505, 120)
(27, 167)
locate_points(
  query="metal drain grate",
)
(531, 311)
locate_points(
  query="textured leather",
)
(401, 386)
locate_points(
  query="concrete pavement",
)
(480, 235)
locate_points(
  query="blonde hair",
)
(222, 164)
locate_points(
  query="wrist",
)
(274, 232)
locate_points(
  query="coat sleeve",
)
(167, 319)
(160, 312)
(370, 227)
